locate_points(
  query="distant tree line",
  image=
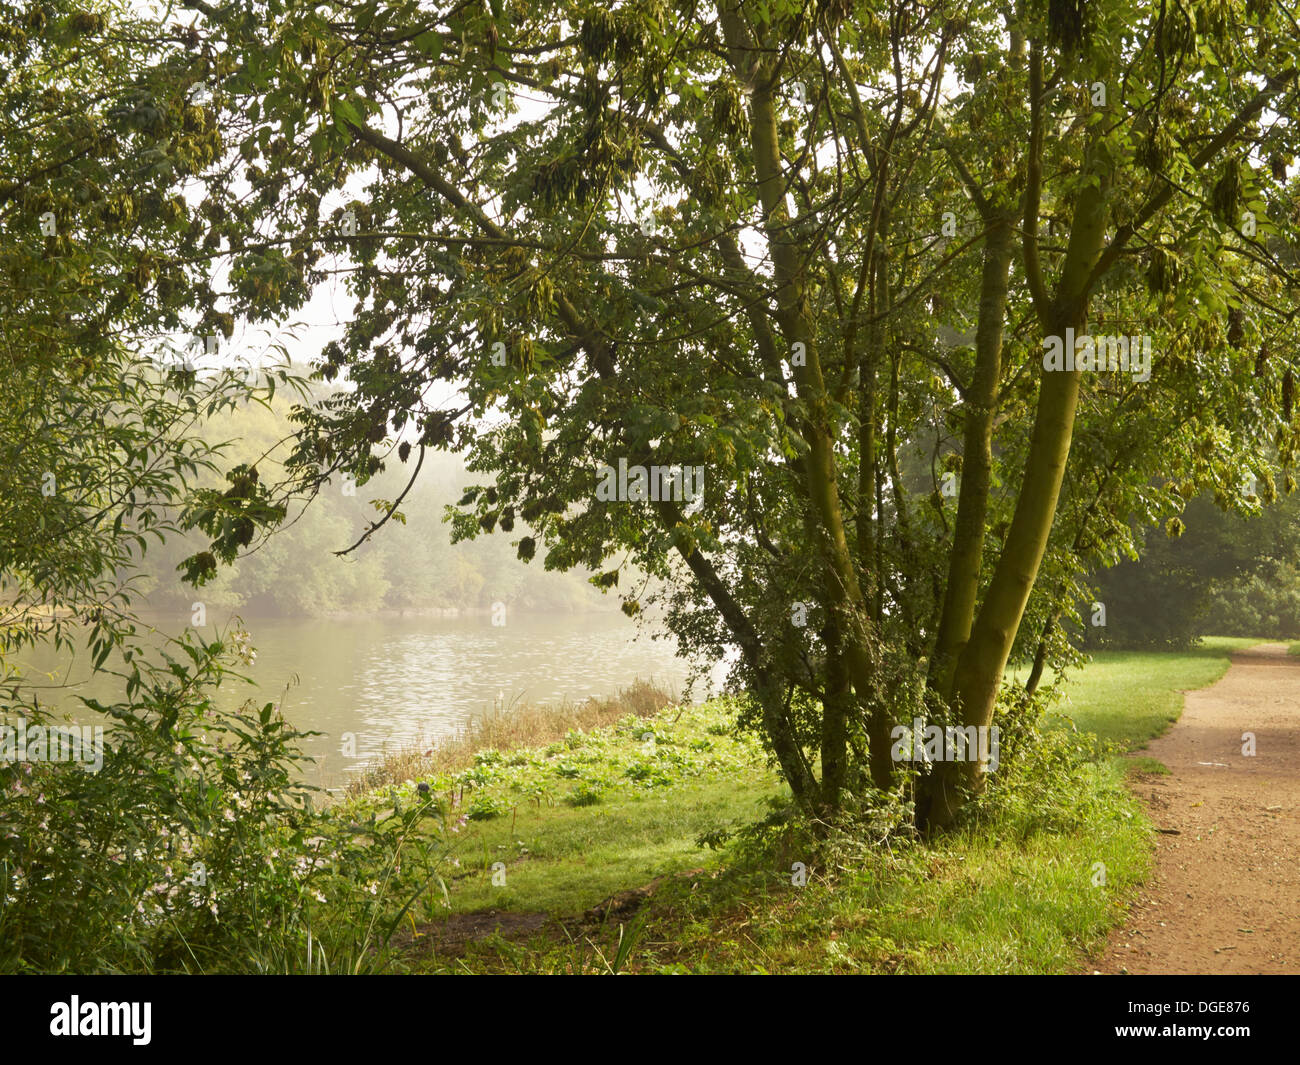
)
(1209, 572)
(413, 566)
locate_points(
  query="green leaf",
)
(429, 43)
(344, 111)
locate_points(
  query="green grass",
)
(975, 904)
(563, 860)
(609, 810)
(1130, 697)
(599, 811)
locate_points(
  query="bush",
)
(1267, 604)
(193, 846)
(585, 794)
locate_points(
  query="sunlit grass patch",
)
(1130, 697)
(506, 729)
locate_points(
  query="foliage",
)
(585, 769)
(187, 842)
(297, 571)
(716, 237)
(1264, 604)
(1223, 573)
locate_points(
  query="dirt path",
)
(1226, 893)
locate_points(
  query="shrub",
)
(193, 847)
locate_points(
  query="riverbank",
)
(624, 848)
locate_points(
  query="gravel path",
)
(1226, 893)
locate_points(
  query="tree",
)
(1200, 574)
(97, 456)
(780, 243)
(97, 435)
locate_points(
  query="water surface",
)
(395, 680)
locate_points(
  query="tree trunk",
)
(795, 319)
(978, 673)
(835, 708)
(1040, 659)
(966, 557)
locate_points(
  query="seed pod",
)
(1236, 326)
(1163, 273)
(597, 34)
(1175, 34)
(1155, 152)
(729, 110)
(1065, 23)
(1227, 193)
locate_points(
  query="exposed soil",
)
(1225, 897)
(453, 935)
(624, 904)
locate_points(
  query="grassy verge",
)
(1130, 697)
(586, 853)
(507, 729)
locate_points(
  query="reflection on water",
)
(395, 679)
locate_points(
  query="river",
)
(395, 680)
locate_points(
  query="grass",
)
(975, 904)
(594, 811)
(1130, 697)
(507, 729)
(539, 835)
(564, 860)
